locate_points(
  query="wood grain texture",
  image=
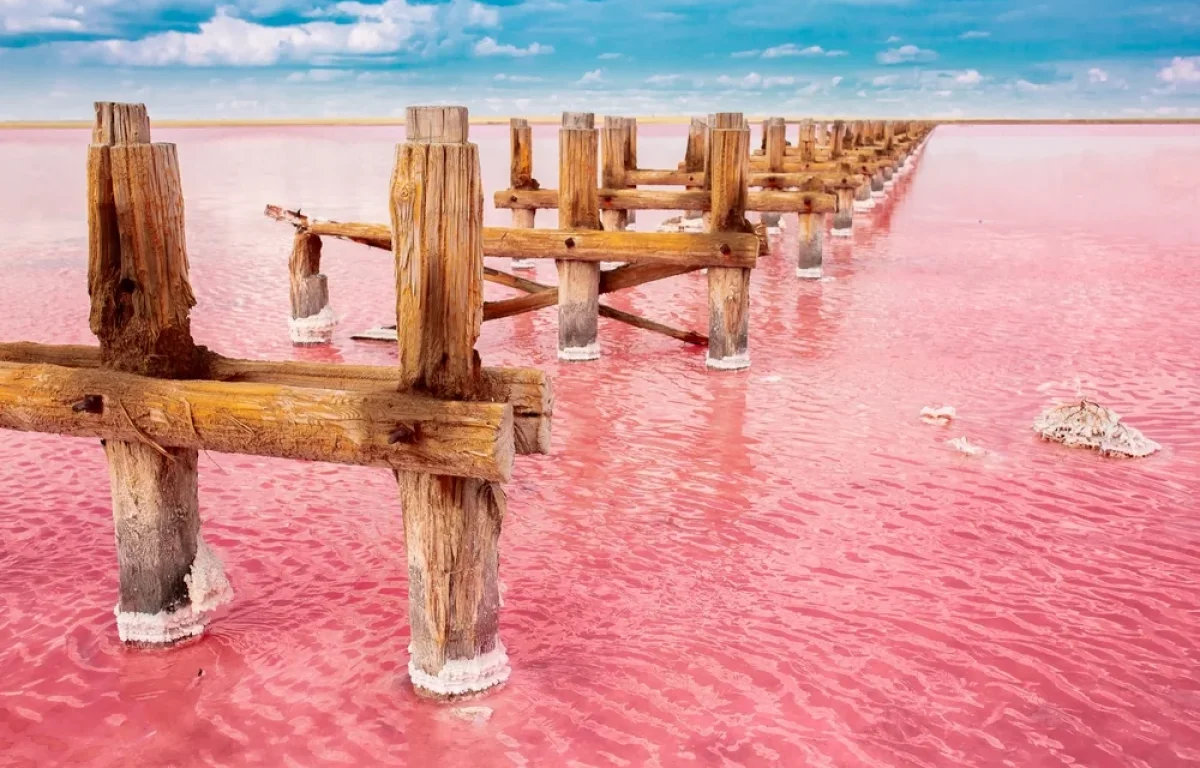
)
(728, 289)
(811, 245)
(140, 303)
(343, 426)
(309, 290)
(520, 175)
(768, 201)
(775, 143)
(578, 281)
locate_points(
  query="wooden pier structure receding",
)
(446, 426)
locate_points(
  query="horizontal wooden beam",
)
(707, 250)
(665, 178)
(527, 390)
(765, 201)
(702, 249)
(696, 178)
(379, 427)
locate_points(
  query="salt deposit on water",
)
(783, 567)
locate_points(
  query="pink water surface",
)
(778, 567)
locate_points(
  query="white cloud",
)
(746, 54)
(318, 76)
(489, 47)
(752, 80)
(893, 39)
(1024, 86)
(787, 49)
(1097, 75)
(227, 40)
(836, 81)
(23, 16)
(884, 80)
(1181, 70)
(943, 94)
(662, 79)
(775, 82)
(595, 76)
(505, 78)
(608, 56)
(974, 34)
(905, 53)
(971, 77)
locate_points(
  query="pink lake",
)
(779, 567)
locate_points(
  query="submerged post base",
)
(841, 232)
(580, 354)
(878, 194)
(315, 329)
(208, 589)
(864, 205)
(462, 677)
(731, 363)
(809, 273)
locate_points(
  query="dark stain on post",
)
(405, 433)
(89, 404)
(570, 242)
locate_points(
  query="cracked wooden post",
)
(140, 300)
(808, 142)
(312, 320)
(864, 198)
(775, 149)
(808, 261)
(614, 165)
(819, 137)
(451, 524)
(520, 176)
(843, 220)
(836, 140)
(578, 208)
(695, 157)
(728, 288)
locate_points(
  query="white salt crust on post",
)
(848, 232)
(524, 263)
(580, 354)
(208, 589)
(316, 329)
(731, 363)
(809, 273)
(459, 677)
(864, 205)
(878, 194)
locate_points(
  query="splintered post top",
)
(436, 125)
(120, 124)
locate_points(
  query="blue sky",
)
(346, 58)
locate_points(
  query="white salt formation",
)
(679, 224)
(731, 363)
(463, 676)
(942, 415)
(963, 445)
(208, 589)
(579, 354)
(1085, 424)
(317, 329)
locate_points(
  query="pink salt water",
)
(780, 567)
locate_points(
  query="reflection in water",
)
(776, 567)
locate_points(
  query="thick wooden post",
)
(843, 220)
(889, 135)
(808, 262)
(614, 166)
(877, 190)
(578, 208)
(728, 288)
(451, 524)
(697, 153)
(312, 320)
(808, 142)
(837, 139)
(819, 137)
(141, 297)
(864, 200)
(520, 176)
(631, 160)
(775, 141)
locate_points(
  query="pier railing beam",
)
(451, 524)
(578, 208)
(141, 298)
(728, 288)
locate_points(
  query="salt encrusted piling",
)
(843, 220)
(728, 288)
(312, 320)
(578, 208)
(615, 142)
(141, 297)
(863, 198)
(808, 262)
(451, 524)
(520, 176)
(837, 140)
(877, 191)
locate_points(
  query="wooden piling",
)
(809, 258)
(695, 157)
(578, 208)
(808, 142)
(836, 140)
(312, 320)
(451, 524)
(614, 168)
(843, 220)
(631, 159)
(140, 302)
(775, 142)
(728, 288)
(520, 176)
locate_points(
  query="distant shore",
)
(554, 120)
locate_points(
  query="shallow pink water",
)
(783, 566)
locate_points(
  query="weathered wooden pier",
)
(822, 176)
(446, 426)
